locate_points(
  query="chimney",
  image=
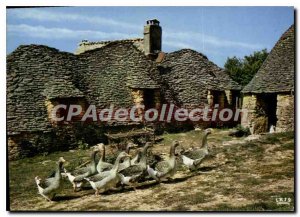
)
(152, 37)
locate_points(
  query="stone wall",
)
(250, 117)
(28, 144)
(285, 112)
(257, 119)
(50, 104)
(138, 99)
(249, 105)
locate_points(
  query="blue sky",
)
(217, 32)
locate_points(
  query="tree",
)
(243, 70)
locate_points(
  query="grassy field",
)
(243, 175)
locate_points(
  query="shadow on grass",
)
(66, 197)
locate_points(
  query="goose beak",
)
(128, 155)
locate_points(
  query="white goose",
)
(50, 186)
(111, 180)
(76, 177)
(164, 169)
(193, 158)
(130, 175)
(128, 162)
(102, 165)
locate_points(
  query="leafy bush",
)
(240, 131)
(82, 145)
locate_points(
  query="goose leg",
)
(97, 192)
(133, 185)
(74, 187)
(47, 198)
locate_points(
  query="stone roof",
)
(109, 73)
(61, 88)
(186, 75)
(91, 45)
(103, 76)
(278, 70)
(29, 69)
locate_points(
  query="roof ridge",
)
(86, 42)
(189, 50)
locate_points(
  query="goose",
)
(152, 159)
(50, 186)
(102, 174)
(131, 174)
(193, 158)
(164, 169)
(128, 162)
(102, 165)
(111, 179)
(77, 177)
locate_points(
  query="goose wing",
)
(80, 171)
(153, 159)
(98, 177)
(80, 177)
(104, 166)
(132, 170)
(163, 167)
(45, 183)
(195, 154)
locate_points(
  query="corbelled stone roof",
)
(29, 70)
(277, 72)
(102, 76)
(59, 88)
(109, 73)
(187, 75)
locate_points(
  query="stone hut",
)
(269, 97)
(189, 79)
(122, 73)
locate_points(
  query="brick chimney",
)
(152, 37)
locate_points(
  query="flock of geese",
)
(126, 170)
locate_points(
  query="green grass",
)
(22, 172)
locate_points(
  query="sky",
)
(217, 32)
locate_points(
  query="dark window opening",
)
(268, 103)
(149, 99)
(271, 101)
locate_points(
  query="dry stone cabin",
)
(123, 73)
(269, 97)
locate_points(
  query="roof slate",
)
(187, 75)
(277, 72)
(29, 69)
(110, 71)
(103, 76)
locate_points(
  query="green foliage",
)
(243, 70)
(245, 130)
(240, 131)
(82, 145)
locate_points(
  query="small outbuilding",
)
(268, 99)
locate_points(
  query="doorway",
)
(269, 102)
(149, 98)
